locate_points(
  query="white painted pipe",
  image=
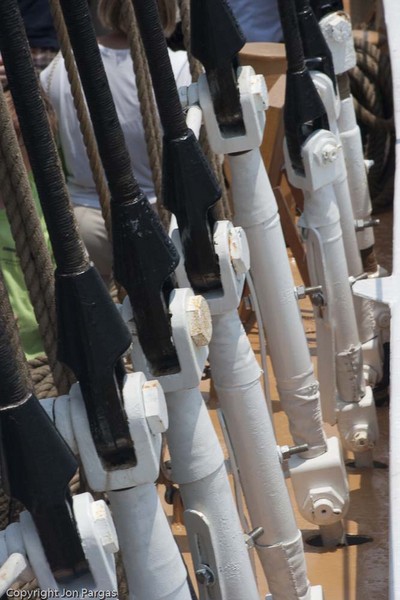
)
(256, 211)
(153, 566)
(198, 467)
(350, 137)
(363, 308)
(236, 379)
(321, 213)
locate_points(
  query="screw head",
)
(205, 576)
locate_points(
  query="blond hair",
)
(111, 15)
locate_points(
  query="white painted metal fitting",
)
(336, 29)
(155, 407)
(199, 319)
(321, 162)
(325, 506)
(358, 439)
(104, 526)
(382, 317)
(320, 485)
(357, 423)
(339, 28)
(239, 250)
(254, 101)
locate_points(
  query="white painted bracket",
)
(232, 250)
(202, 549)
(320, 502)
(330, 99)
(358, 423)
(147, 443)
(254, 102)
(99, 542)
(191, 332)
(320, 159)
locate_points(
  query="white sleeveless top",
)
(119, 70)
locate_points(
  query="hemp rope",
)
(222, 210)
(372, 92)
(29, 241)
(82, 114)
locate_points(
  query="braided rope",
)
(222, 210)
(148, 108)
(82, 114)
(372, 92)
(29, 241)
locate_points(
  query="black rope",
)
(109, 135)
(169, 106)
(36, 464)
(68, 249)
(291, 34)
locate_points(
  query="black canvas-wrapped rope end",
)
(92, 340)
(190, 191)
(304, 111)
(316, 51)
(144, 262)
(322, 8)
(39, 466)
(216, 37)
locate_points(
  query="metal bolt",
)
(155, 407)
(205, 576)
(251, 537)
(199, 319)
(360, 224)
(104, 526)
(301, 291)
(359, 439)
(287, 451)
(317, 300)
(383, 319)
(329, 153)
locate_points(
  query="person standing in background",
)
(258, 19)
(40, 31)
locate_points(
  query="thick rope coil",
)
(82, 114)
(222, 210)
(148, 107)
(30, 243)
(372, 91)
